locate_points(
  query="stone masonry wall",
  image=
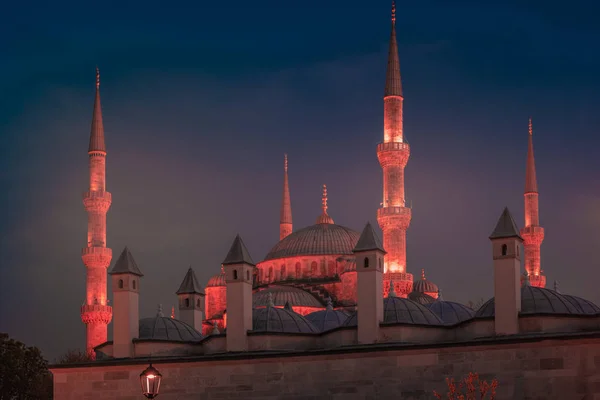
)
(549, 369)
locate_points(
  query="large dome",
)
(163, 328)
(319, 239)
(280, 295)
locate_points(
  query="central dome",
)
(319, 239)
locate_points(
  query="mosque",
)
(330, 311)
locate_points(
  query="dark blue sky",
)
(200, 102)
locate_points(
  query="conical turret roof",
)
(190, 284)
(286, 203)
(368, 240)
(530, 176)
(126, 264)
(506, 226)
(238, 253)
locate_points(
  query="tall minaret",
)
(532, 233)
(285, 222)
(394, 216)
(95, 313)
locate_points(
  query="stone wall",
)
(559, 368)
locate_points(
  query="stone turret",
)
(532, 233)
(126, 297)
(191, 301)
(96, 314)
(394, 216)
(369, 270)
(506, 243)
(239, 269)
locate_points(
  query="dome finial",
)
(270, 300)
(215, 330)
(285, 162)
(527, 282)
(160, 312)
(556, 286)
(329, 304)
(530, 127)
(440, 298)
(288, 306)
(173, 312)
(324, 218)
(423, 273)
(392, 291)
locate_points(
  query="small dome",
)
(450, 312)
(583, 306)
(281, 295)
(424, 286)
(283, 320)
(163, 328)
(319, 239)
(397, 310)
(535, 300)
(327, 319)
(421, 298)
(217, 280)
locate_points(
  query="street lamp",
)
(150, 379)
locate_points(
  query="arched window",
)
(323, 268)
(314, 268)
(198, 303)
(331, 268)
(283, 272)
(235, 274)
(298, 270)
(504, 249)
(187, 302)
(366, 262)
(120, 283)
(247, 275)
(133, 283)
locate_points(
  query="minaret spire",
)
(97, 131)
(532, 233)
(96, 313)
(285, 221)
(394, 216)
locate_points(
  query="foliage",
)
(469, 388)
(74, 356)
(24, 372)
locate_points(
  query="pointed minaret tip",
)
(97, 78)
(506, 226)
(97, 131)
(423, 273)
(285, 163)
(392, 291)
(393, 12)
(393, 83)
(530, 127)
(530, 174)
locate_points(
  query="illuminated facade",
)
(532, 233)
(96, 314)
(335, 308)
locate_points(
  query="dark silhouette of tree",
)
(73, 356)
(24, 372)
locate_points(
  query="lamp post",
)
(150, 379)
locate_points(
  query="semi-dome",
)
(327, 319)
(280, 320)
(424, 286)
(450, 312)
(280, 295)
(583, 306)
(421, 298)
(397, 310)
(163, 328)
(535, 300)
(217, 280)
(319, 239)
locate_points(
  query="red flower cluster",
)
(469, 388)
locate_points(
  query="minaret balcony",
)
(96, 313)
(394, 217)
(393, 154)
(96, 256)
(97, 200)
(532, 235)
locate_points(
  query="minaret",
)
(532, 233)
(285, 222)
(95, 313)
(394, 216)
